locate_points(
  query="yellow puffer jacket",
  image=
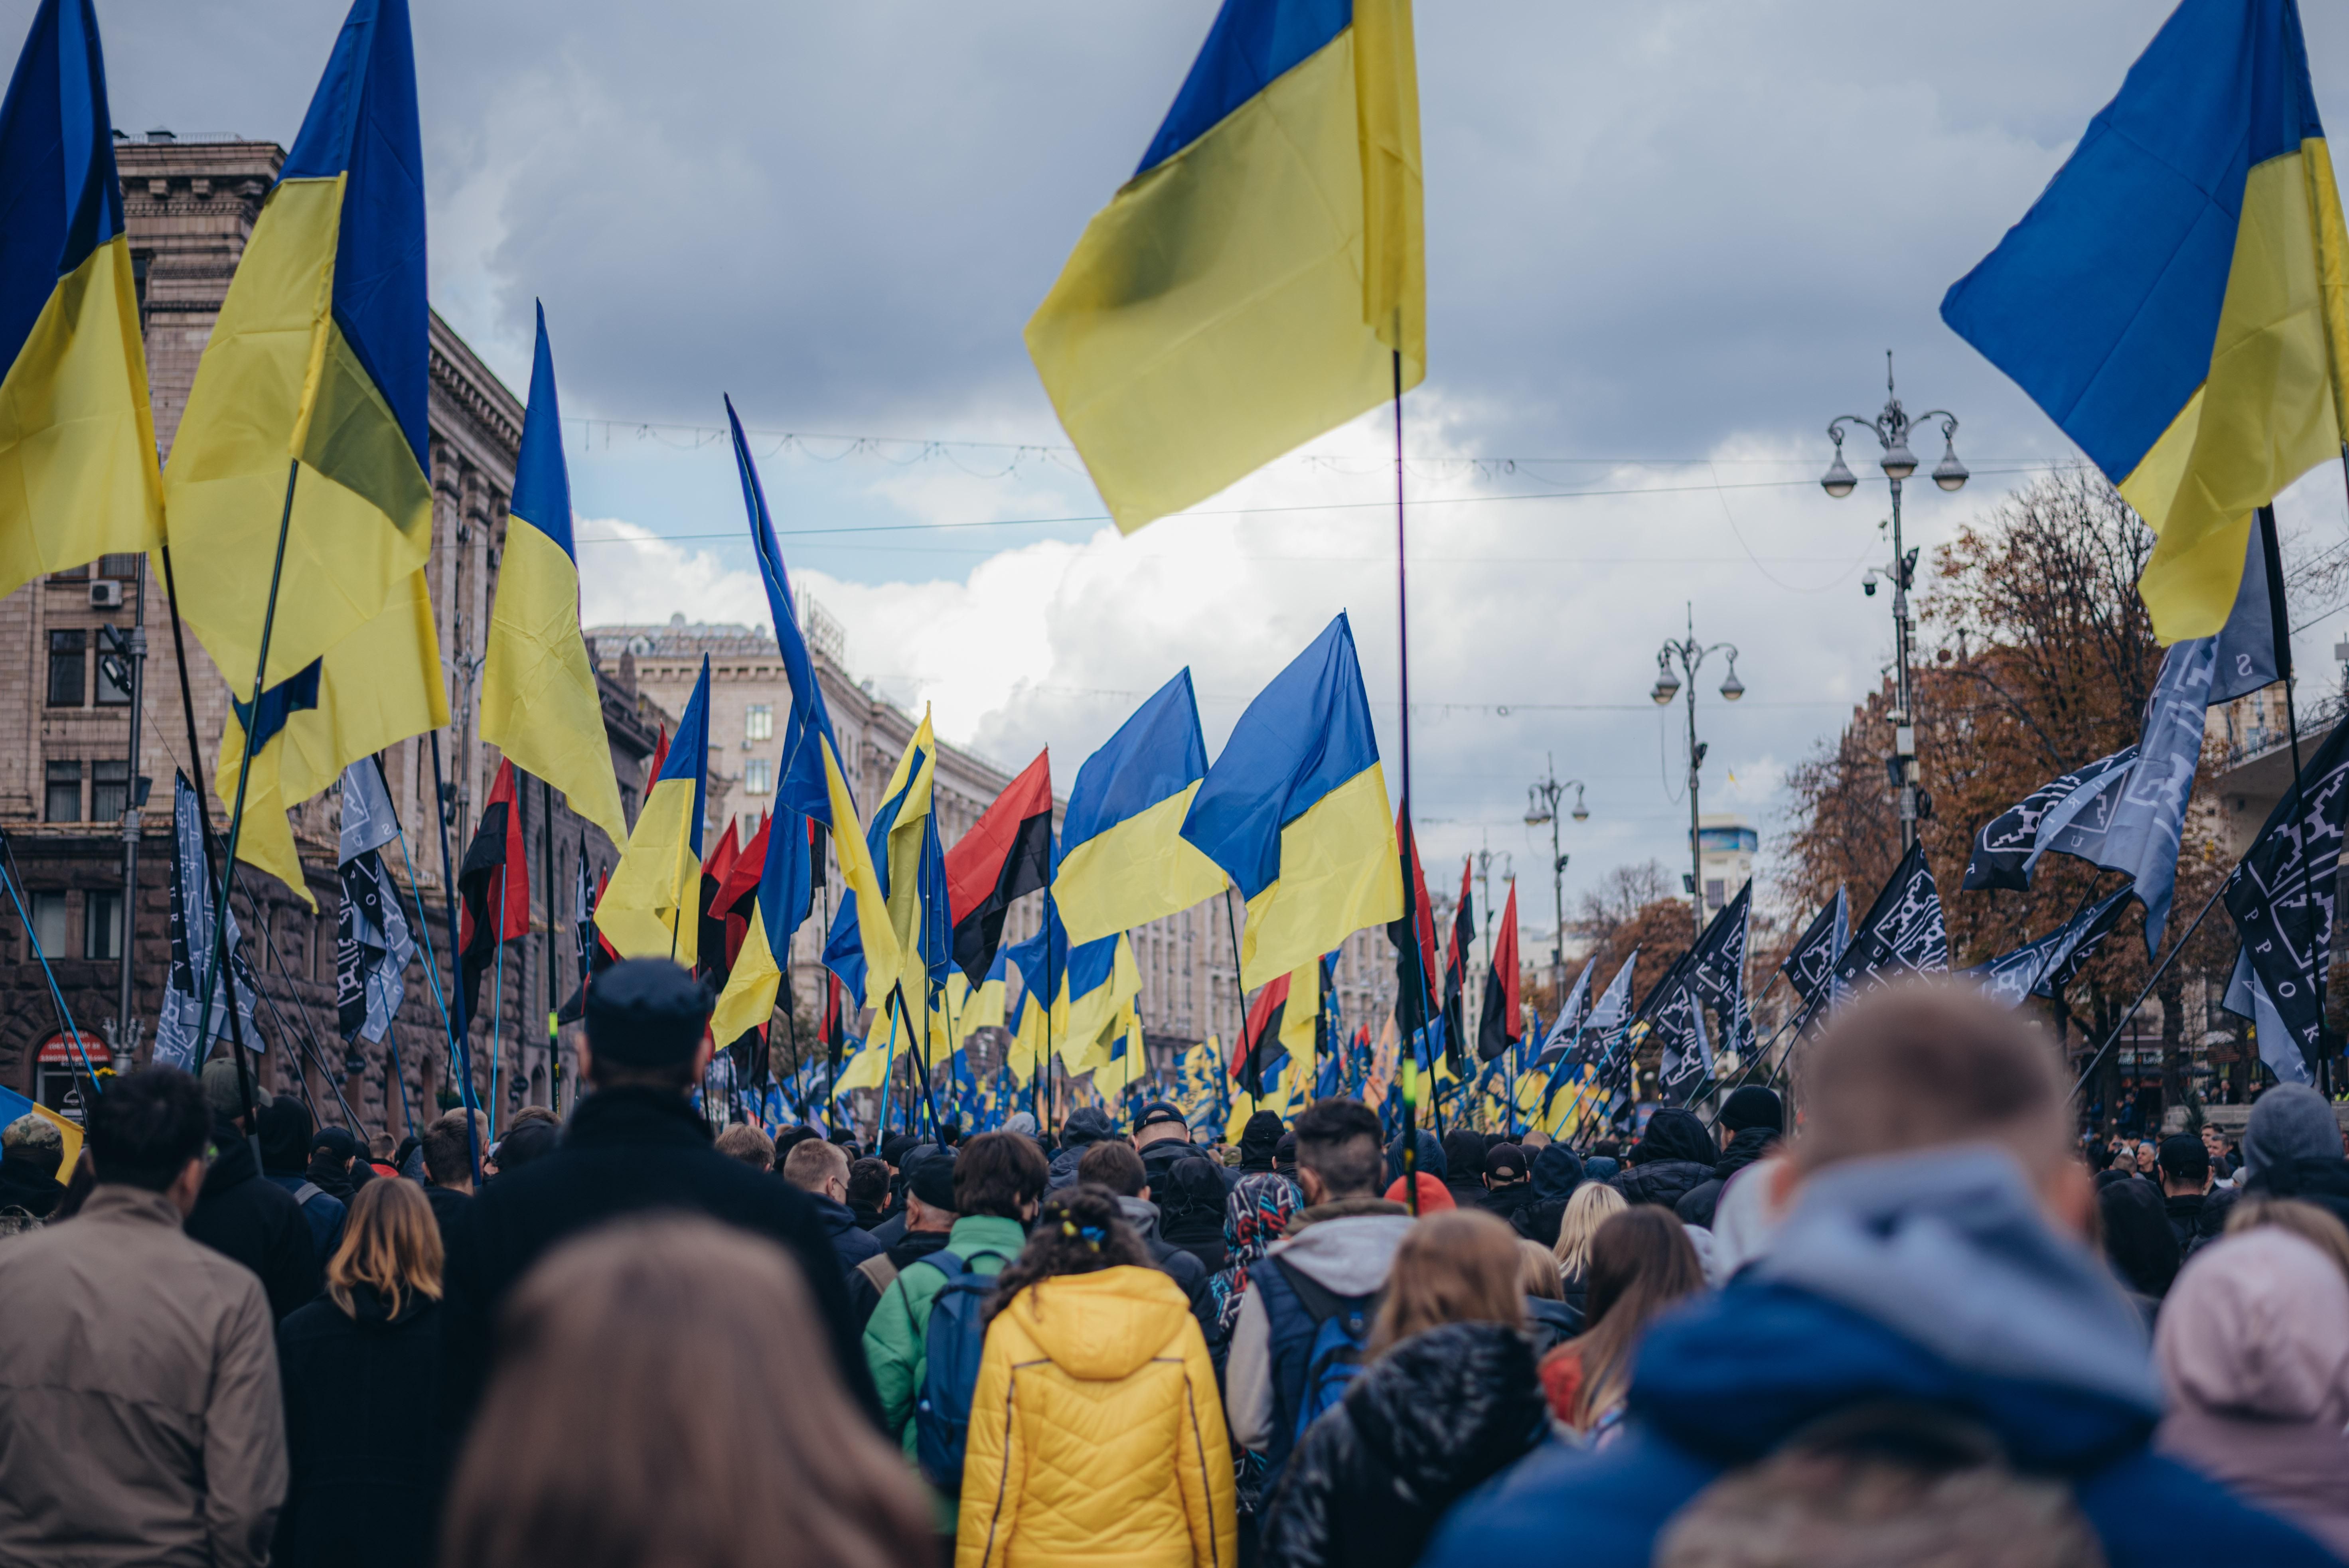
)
(1096, 1434)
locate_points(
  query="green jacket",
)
(896, 1337)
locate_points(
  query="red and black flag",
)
(1501, 1024)
(1413, 936)
(712, 957)
(835, 1020)
(1007, 852)
(1260, 1036)
(1456, 974)
(595, 951)
(494, 884)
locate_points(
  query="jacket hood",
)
(233, 1161)
(1675, 1135)
(1928, 1277)
(837, 1217)
(1750, 1144)
(370, 1308)
(2290, 1122)
(1350, 1255)
(1104, 1326)
(1447, 1408)
(1143, 1215)
(2258, 1326)
(1430, 1156)
(1556, 1173)
(1085, 1126)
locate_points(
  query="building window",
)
(101, 925)
(50, 924)
(68, 652)
(751, 822)
(759, 722)
(1715, 892)
(63, 802)
(109, 791)
(124, 567)
(756, 778)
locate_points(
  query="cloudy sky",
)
(1666, 243)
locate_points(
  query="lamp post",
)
(1692, 655)
(1891, 427)
(1542, 797)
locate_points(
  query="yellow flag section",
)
(77, 473)
(376, 687)
(1295, 810)
(917, 887)
(539, 701)
(1123, 860)
(318, 360)
(2177, 298)
(14, 1105)
(1105, 980)
(1251, 285)
(869, 1068)
(652, 909)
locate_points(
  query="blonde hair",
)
(2304, 1219)
(1590, 1207)
(1537, 1271)
(1457, 1267)
(391, 1241)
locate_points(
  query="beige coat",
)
(140, 1415)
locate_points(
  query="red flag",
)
(1416, 991)
(1456, 972)
(1263, 1025)
(1007, 852)
(494, 884)
(737, 888)
(1503, 1023)
(660, 755)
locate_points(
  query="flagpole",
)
(2151, 980)
(2280, 627)
(546, 857)
(204, 817)
(1254, 1081)
(461, 1027)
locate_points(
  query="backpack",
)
(879, 1271)
(952, 1347)
(1319, 1338)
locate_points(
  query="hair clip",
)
(1067, 1227)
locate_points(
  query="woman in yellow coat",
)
(1096, 1433)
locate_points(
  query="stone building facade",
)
(65, 783)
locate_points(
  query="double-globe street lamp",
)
(1892, 426)
(1690, 655)
(1542, 798)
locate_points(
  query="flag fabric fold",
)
(1123, 860)
(493, 887)
(1500, 1023)
(1005, 855)
(373, 941)
(652, 906)
(1810, 965)
(192, 935)
(2044, 965)
(2283, 892)
(1904, 932)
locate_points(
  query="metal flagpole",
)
(1254, 1081)
(461, 1027)
(547, 858)
(134, 655)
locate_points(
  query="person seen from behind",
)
(32, 1161)
(1931, 1305)
(140, 1420)
(2291, 1149)
(286, 1138)
(1255, 1216)
(2184, 1165)
(614, 1433)
(1550, 1320)
(450, 1144)
(868, 1191)
(2253, 1347)
(1095, 1432)
(1640, 1264)
(2138, 1242)
(1557, 1175)
(240, 1213)
(1593, 1203)
(361, 1370)
(1507, 1185)
(929, 1219)
(1674, 1157)
(820, 1170)
(1751, 1121)
(1448, 1400)
(1115, 1166)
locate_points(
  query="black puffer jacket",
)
(1697, 1204)
(1674, 1157)
(254, 1221)
(363, 1436)
(1442, 1414)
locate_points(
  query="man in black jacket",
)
(1751, 1121)
(1114, 1164)
(1464, 1167)
(240, 1214)
(635, 1144)
(1673, 1156)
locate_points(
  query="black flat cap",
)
(646, 1013)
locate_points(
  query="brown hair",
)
(1114, 1164)
(448, 1152)
(1079, 1231)
(2304, 1219)
(1460, 1265)
(669, 1455)
(745, 1143)
(1537, 1271)
(999, 1174)
(1927, 1063)
(812, 1162)
(1640, 1262)
(390, 1241)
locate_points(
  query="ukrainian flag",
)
(78, 474)
(1262, 277)
(2175, 298)
(1043, 1017)
(1104, 981)
(1295, 810)
(1124, 859)
(653, 907)
(970, 1010)
(539, 702)
(811, 791)
(318, 360)
(376, 687)
(909, 861)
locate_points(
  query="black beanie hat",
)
(1754, 1106)
(646, 1013)
(930, 1177)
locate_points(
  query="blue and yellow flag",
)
(539, 702)
(1124, 859)
(909, 863)
(2175, 299)
(653, 907)
(1295, 810)
(318, 360)
(1103, 982)
(1041, 1022)
(811, 791)
(78, 474)
(1262, 277)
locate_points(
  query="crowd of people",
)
(1927, 1326)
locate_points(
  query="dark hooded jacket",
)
(1750, 1144)
(1191, 1194)
(2137, 1238)
(1259, 1138)
(24, 1187)
(1440, 1415)
(1463, 1169)
(1083, 1128)
(1430, 1156)
(1556, 1173)
(627, 1152)
(851, 1244)
(1674, 1158)
(251, 1218)
(1930, 1279)
(362, 1439)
